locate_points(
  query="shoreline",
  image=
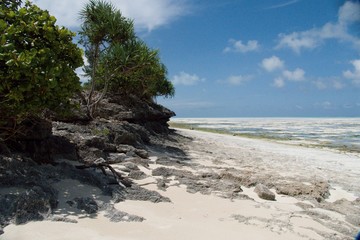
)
(283, 140)
(211, 184)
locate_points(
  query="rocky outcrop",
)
(152, 116)
(111, 140)
(35, 204)
(129, 108)
(33, 138)
(318, 190)
(87, 204)
(263, 192)
(120, 132)
(35, 197)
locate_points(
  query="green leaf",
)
(38, 55)
(11, 62)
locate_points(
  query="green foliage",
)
(37, 62)
(119, 62)
(101, 132)
(137, 70)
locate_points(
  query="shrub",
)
(37, 63)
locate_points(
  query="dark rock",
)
(62, 219)
(96, 142)
(210, 175)
(137, 175)
(7, 207)
(138, 161)
(124, 148)
(118, 216)
(67, 128)
(4, 150)
(62, 148)
(91, 154)
(34, 129)
(39, 150)
(141, 194)
(32, 137)
(135, 110)
(87, 204)
(131, 166)
(263, 192)
(110, 147)
(235, 178)
(317, 190)
(116, 157)
(125, 138)
(118, 195)
(167, 172)
(237, 190)
(35, 204)
(142, 153)
(161, 184)
(194, 187)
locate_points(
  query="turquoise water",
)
(341, 133)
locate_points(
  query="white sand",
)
(196, 216)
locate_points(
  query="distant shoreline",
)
(209, 125)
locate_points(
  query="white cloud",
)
(297, 40)
(186, 79)
(355, 74)
(147, 14)
(321, 85)
(151, 14)
(338, 85)
(271, 64)
(349, 12)
(65, 11)
(238, 46)
(274, 63)
(239, 79)
(309, 39)
(279, 82)
(297, 75)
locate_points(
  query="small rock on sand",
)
(263, 192)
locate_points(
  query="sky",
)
(248, 58)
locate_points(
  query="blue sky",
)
(249, 58)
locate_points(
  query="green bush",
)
(37, 63)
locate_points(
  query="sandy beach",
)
(211, 185)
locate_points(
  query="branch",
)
(123, 181)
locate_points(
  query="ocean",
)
(339, 133)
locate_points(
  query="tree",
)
(37, 63)
(119, 62)
(102, 26)
(137, 70)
